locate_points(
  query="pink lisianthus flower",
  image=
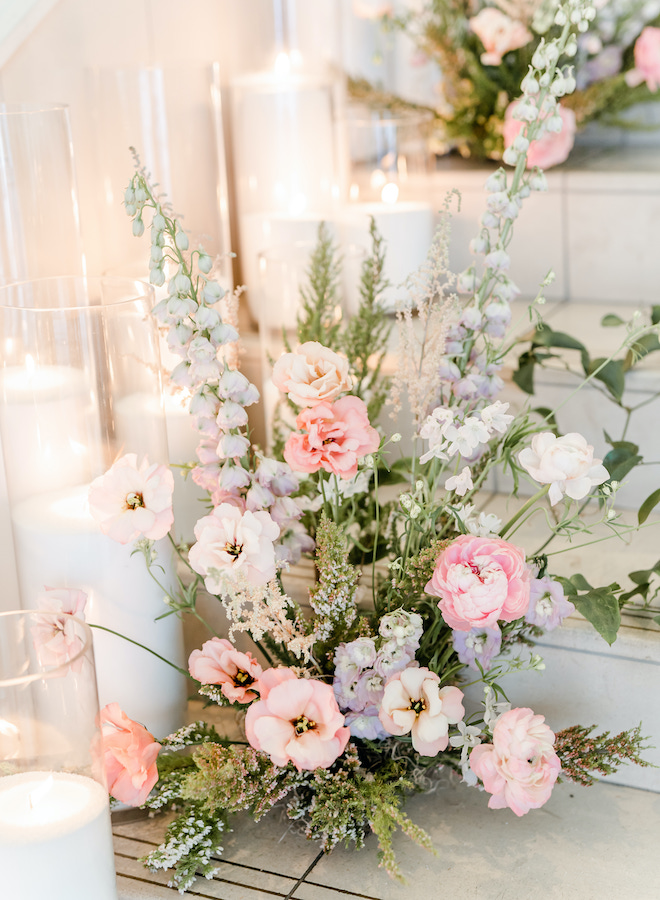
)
(270, 678)
(414, 703)
(54, 634)
(499, 34)
(566, 463)
(552, 148)
(647, 60)
(129, 753)
(337, 435)
(520, 767)
(480, 580)
(312, 375)
(231, 542)
(130, 501)
(299, 722)
(219, 662)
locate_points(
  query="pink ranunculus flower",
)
(647, 60)
(566, 463)
(414, 703)
(336, 436)
(231, 542)
(219, 662)
(312, 374)
(520, 767)
(129, 753)
(480, 580)
(499, 34)
(551, 148)
(54, 634)
(130, 501)
(298, 721)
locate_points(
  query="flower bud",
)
(213, 292)
(181, 240)
(157, 276)
(496, 182)
(511, 156)
(204, 263)
(140, 195)
(159, 222)
(138, 227)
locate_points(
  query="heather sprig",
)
(584, 755)
(333, 597)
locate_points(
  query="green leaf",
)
(656, 619)
(549, 338)
(648, 506)
(619, 462)
(581, 582)
(601, 608)
(655, 315)
(567, 584)
(611, 321)
(524, 374)
(612, 375)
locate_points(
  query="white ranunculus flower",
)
(566, 463)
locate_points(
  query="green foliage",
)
(599, 605)
(318, 320)
(584, 757)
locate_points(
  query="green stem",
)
(608, 537)
(138, 644)
(523, 509)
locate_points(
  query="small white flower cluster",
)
(468, 736)
(451, 432)
(479, 524)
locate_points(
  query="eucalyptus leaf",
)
(601, 608)
(648, 506)
(612, 375)
(611, 321)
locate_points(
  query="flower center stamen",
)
(303, 724)
(242, 677)
(417, 706)
(234, 550)
(134, 501)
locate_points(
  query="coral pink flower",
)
(551, 148)
(647, 60)
(219, 662)
(129, 502)
(520, 767)
(130, 754)
(54, 634)
(480, 580)
(414, 703)
(312, 374)
(499, 34)
(298, 722)
(270, 678)
(566, 463)
(337, 435)
(232, 542)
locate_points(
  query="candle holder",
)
(55, 833)
(80, 388)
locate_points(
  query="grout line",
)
(304, 875)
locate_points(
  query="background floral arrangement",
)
(483, 50)
(350, 707)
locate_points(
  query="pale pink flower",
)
(312, 374)
(270, 678)
(130, 754)
(647, 60)
(499, 34)
(54, 634)
(130, 501)
(520, 767)
(299, 722)
(566, 463)
(552, 148)
(337, 435)
(414, 703)
(219, 662)
(480, 580)
(231, 542)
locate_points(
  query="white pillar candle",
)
(59, 544)
(9, 596)
(55, 838)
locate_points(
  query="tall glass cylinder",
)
(55, 833)
(80, 388)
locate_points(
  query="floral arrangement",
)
(484, 49)
(352, 703)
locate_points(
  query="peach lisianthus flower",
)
(312, 374)
(129, 755)
(130, 501)
(647, 60)
(480, 580)
(520, 767)
(298, 721)
(499, 34)
(336, 436)
(552, 148)
(231, 541)
(415, 704)
(566, 463)
(219, 662)
(54, 634)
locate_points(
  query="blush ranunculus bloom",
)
(298, 721)
(480, 580)
(219, 662)
(566, 463)
(312, 374)
(414, 703)
(336, 436)
(647, 60)
(54, 635)
(520, 767)
(499, 34)
(233, 542)
(129, 755)
(130, 501)
(550, 149)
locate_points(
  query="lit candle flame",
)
(390, 193)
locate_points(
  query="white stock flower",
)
(495, 417)
(566, 463)
(466, 438)
(461, 483)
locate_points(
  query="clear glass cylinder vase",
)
(80, 388)
(55, 833)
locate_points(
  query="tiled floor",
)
(586, 843)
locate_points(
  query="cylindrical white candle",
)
(55, 838)
(59, 544)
